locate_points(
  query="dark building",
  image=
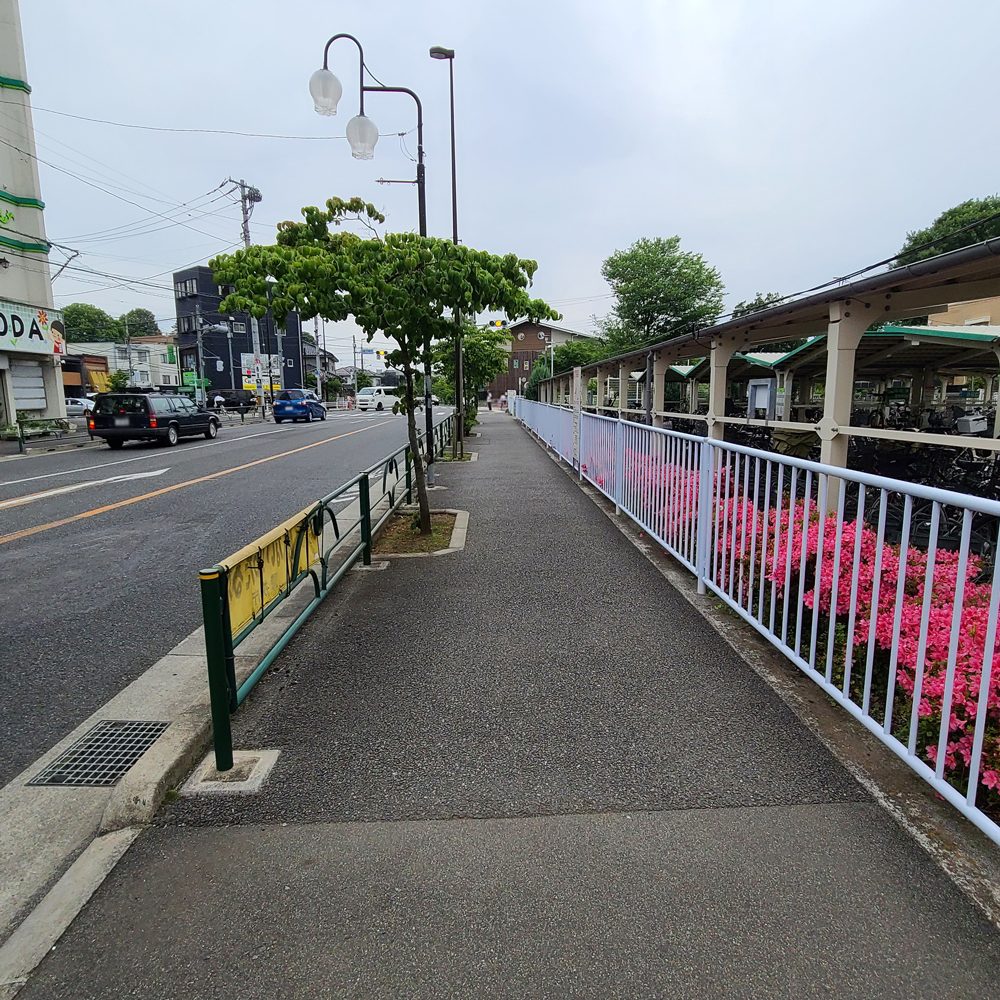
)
(197, 298)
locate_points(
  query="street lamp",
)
(362, 134)
(439, 52)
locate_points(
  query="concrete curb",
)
(37, 935)
(965, 854)
(456, 543)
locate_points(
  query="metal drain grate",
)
(103, 755)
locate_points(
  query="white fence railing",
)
(885, 593)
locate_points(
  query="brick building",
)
(528, 341)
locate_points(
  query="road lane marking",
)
(24, 533)
(140, 458)
(73, 487)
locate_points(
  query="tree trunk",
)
(418, 459)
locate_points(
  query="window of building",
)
(184, 288)
(144, 357)
(143, 378)
(239, 328)
(165, 359)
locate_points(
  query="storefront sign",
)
(27, 329)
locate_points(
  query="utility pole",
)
(319, 375)
(232, 372)
(200, 370)
(128, 352)
(250, 196)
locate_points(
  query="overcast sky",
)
(788, 142)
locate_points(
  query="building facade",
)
(528, 342)
(225, 359)
(151, 363)
(32, 338)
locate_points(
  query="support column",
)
(660, 366)
(786, 386)
(601, 387)
(719, 367)
(624, 373)
(693, 395)
(848, 321)
(989, 394)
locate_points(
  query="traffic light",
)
(498, 323)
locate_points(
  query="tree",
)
(405, 286)
(576, 353)
(362, 379)
(971, 222)
(118, 381)
(660, 292)
(88, 324)
(762, 300)
(539, 372)
(141, 323)
(484, 356)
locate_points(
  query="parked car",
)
(376, 397)
(298, 404)
(78, 407)
(149, 416)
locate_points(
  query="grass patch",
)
(467, 457)
(402, 534)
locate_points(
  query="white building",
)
(150, 364)
(31, 330)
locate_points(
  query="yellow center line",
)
(14, 536)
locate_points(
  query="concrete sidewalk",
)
(528, 769)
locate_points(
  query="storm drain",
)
(103, 755)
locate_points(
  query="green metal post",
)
(409, 478)
(215, 649)
(366, 519)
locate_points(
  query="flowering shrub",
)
(740, 522)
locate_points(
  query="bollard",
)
(215, 650)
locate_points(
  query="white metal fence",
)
(885, 593)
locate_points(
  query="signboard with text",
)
(265, 368)
(34, 331)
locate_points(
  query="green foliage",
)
(660, 292)
(539, 371)
(88, 324)
(399, 284)
(118, 381)
(484, 356)
(310, 379)
(444, 389)
(362, 379)
(576, 353)
(141, 323)
(946, 229)
(762, 300)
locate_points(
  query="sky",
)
(787, 142)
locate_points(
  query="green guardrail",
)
(241, 591)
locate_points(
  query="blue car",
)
(298, 404)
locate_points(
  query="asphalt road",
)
(92, 601)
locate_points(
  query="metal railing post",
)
(706, 487)
(366, 519)
(619, 464)
(408, 462)
(215, 651)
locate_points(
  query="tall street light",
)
(439, 52)
(362, 135)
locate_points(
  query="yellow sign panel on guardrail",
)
(260, 572)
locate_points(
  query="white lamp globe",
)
(325, 89)
(362, 134)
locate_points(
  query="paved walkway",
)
(529, 769)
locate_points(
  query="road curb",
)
(456, 543)
(43, 927)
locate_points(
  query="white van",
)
(376, 397)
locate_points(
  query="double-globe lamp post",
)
(362, 135)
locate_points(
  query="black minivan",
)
(148, 416)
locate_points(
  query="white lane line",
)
(18, 501)
(140, 458)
